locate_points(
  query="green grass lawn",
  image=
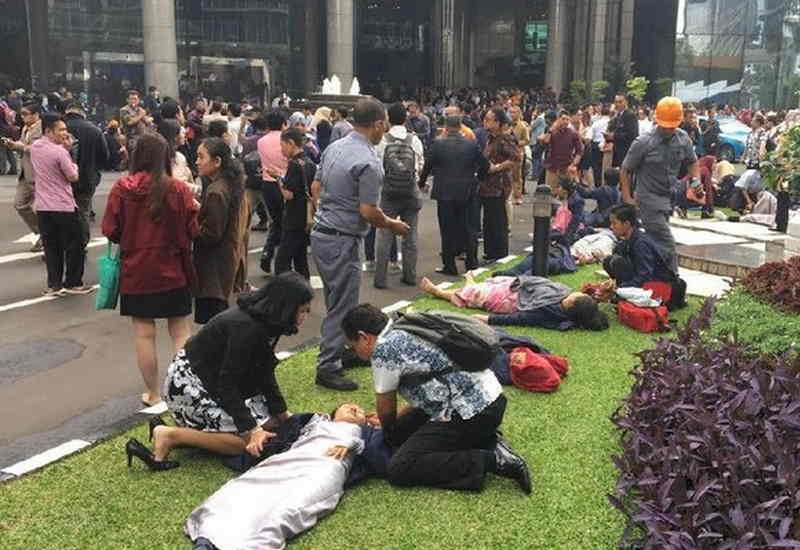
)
(92, 500)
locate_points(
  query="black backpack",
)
(470, 344)
(399, 168)
(252, 169)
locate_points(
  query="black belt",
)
(329, 231)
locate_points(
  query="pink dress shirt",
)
(52, 166)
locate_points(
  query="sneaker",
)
(38, 246)
(369, 267)
(335, 381)
(259, 227)
(78, 290)
(395, 267)
(53, 292)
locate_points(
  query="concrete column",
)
(312, 76)
(160, 49)
(341, 51)
(556, 49)
(37, 15)
(626, 30)
(598, 40)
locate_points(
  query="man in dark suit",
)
(622, 129)
(456, 163)
(91, 156)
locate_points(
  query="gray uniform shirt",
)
(536, 292)
(656, 163)
(350, 175)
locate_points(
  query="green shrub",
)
(761, 327)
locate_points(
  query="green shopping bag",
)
(108, 267)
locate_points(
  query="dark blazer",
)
(626, 129)
(234, 357)
(93, 151)
(456, 163)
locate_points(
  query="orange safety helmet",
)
(669, 112)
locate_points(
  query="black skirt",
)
(160, 305)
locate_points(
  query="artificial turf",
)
(92, 500)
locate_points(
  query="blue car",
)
(732, 139)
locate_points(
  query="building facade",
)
(737, 51)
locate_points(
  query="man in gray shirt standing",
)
(341, 128)
(655, 160)
(347, 187)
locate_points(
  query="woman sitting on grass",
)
(221, 387)
(285, 494)
(524, 301)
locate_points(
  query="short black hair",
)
(217, 128)
(131, 92)
(275, 119)
(585, 313)
(364, 318)
(567, 184)
(500, 116)
(293, 135)
(397, 114)
(259, 124)
(368, 111)
(216, 107)
(169, 108)
(344, 112)
(611, 177)
(625, 213)
(49, 121)
(33, 107)
(235, 110)
(73, 105)
(277, 302)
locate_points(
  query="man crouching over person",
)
(447, 436)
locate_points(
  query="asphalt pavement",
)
(69, 372)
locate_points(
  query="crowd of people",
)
(329, 182)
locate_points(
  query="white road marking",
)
(507, 259)
(26, 303)
(281, 355)
(158, 408)
(402, 304)
(97, 241)
(254, 250)
(30, 238)
(45, 458)
(529, 249)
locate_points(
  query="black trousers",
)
(64, 246)
(447, 455)
(457, 232)
(293, 253)
(495, 227)
(597, 164)
(274, 202)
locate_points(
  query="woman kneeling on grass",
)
(221, 387)
(524, 301)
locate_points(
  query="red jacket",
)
(156, 255)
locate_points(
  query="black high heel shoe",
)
(155, 421)
(134, 448)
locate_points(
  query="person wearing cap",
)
(655, 160)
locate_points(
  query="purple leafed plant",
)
(710, 447)
(777, 283)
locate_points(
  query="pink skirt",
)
(493, 295)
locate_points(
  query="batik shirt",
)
(398, 354)
(756, 143)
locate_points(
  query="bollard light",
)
(542, 209)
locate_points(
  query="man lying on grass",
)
(447, 437)
(285, 494)
(524, 300)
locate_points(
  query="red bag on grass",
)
(532, 371)
(643, 319)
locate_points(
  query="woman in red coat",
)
(153, 217)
